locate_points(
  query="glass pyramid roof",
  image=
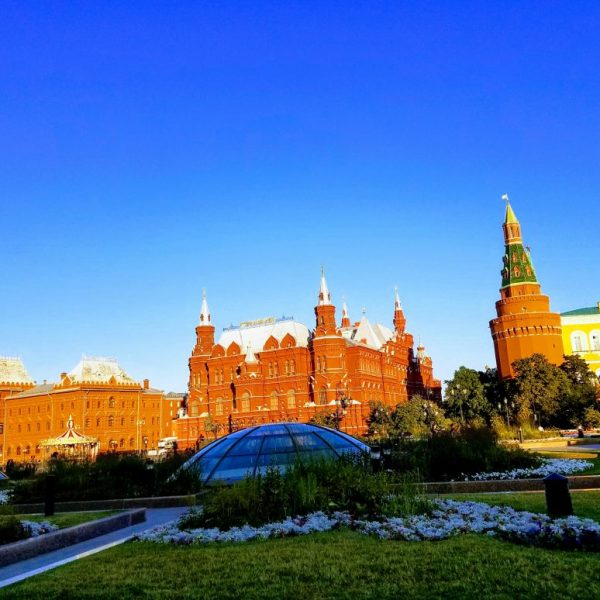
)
(251, 451)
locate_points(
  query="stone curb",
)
(47, 542)
(579, 482)
(118, 504)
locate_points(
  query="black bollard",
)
(49, 495)
(558, 497)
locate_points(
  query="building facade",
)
(101, 401)
(14, 378)
(524, 324)
(273, 370)
(581, 335)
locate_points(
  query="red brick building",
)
(101, 401)
(277, 369)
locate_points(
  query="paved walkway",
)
(33, 566)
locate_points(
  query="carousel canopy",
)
(70, 437)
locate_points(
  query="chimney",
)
(146, 384)
(62, 376)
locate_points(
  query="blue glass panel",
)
(337, 441)
(308, 441)
(277, 460)
(249, 445)
(278, 443)
(235, 467)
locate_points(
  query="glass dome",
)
(251, 451)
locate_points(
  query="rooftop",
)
(12, 370)
(588, 310)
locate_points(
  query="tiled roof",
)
(35, 391)
(588, 310)
(12, 370)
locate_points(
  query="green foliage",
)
(591, 417)
(555, 396)
(343, 484)
(11, 530)
(379, 421)
(325, 418)
(418, 417)
(465, 397)
(110, 476)
(451, 455)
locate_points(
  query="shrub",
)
(12, 530)
(325, 485)
(110, 476)
(451, 455)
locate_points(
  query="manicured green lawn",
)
(63, 520)
(339, 564)
(590, 455)
(585, 504)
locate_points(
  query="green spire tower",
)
(518, 268)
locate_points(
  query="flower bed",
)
(4, 496)
(13, 529)
(448, 518)
(562, 466)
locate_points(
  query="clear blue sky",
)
(150, 149)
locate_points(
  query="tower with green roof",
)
(524, 324)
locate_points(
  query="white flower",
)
(562, 466)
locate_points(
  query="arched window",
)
(131, 442)
(291, 399)
(270, 369)
(274, 401)
(246, 402)
(18, 450)
(111, 421)
(219, 406)
(87, 422)
(121, 443)
(287, 367)
(98, 422)
(578, 341)
(293, 366)
(595, 340)
(276, 369)
(27, 450)
(122, 420)
(322, 396)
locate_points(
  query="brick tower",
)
(329, 350)
(524, 325)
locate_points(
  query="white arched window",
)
(246, 402)
(595, 340)
(291, 399)
(219, 406)
(274, 402)
(578, 341)
(323, 396)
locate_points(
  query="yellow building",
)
(581, 334)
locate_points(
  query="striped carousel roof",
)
(70, 437)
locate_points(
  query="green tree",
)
(580, 393)
(324, 418)
(541, 387)
(380, 420)
(418, 417)
(465, 397)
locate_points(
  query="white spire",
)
(397, 304)
(204, 312)
(345, 314)
(324, 295)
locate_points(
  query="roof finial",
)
(510, 213)
(204, 312)
(324, 295)
(345, 315)
(397, 304)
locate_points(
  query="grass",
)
(69, 519)
(586, 455)
(340, 564)
(585, 503)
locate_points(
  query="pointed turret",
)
(205, 332)
(204, 312)
(399, 320)
(518, 268)
(345, 315)
(325, 311)
(524, 324)
(324, 295)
